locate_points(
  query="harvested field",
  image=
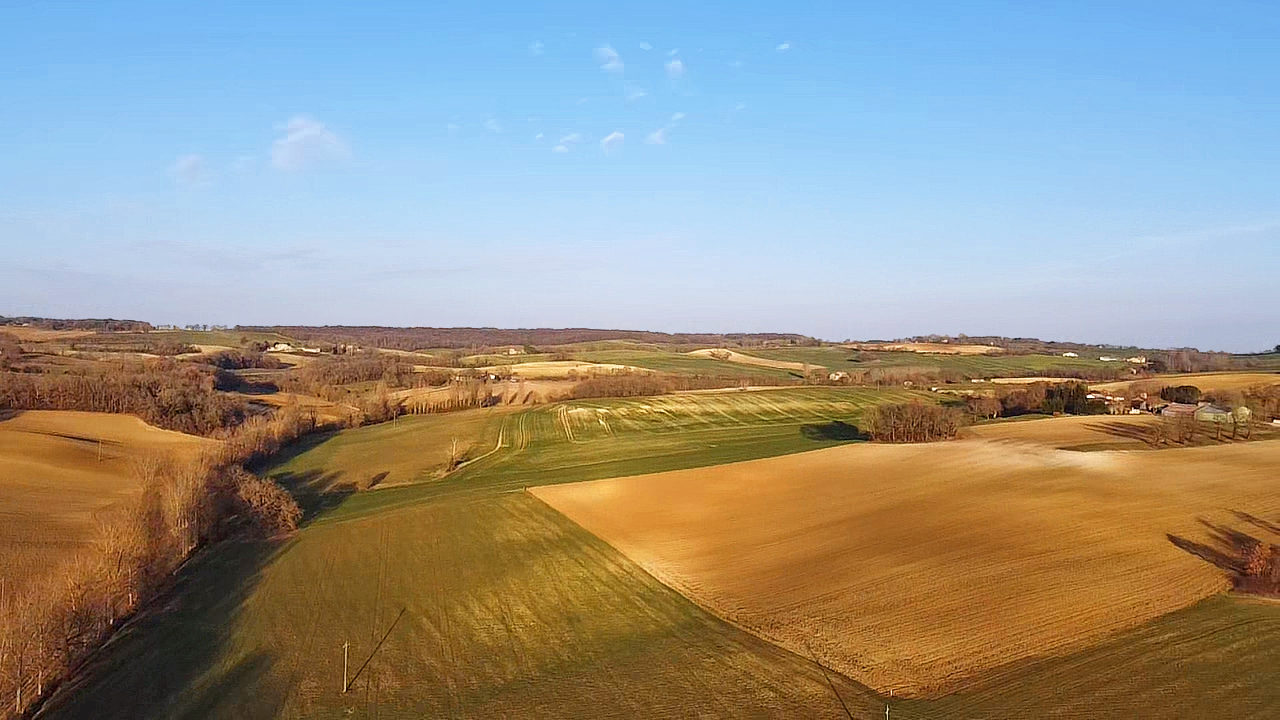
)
(57, 470)
(558, 369)
(1207, 382)
(929, 348)
(743, 359)
(1086, 432)
(919, 568)
(35, 334)
(1032, 379)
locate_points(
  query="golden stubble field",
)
(57, 471)
(916, 568)
(1207, 382)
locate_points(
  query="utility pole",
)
(346, 647)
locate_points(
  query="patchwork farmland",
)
(735, 551)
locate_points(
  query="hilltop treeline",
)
(426, 337)
(98, 325)
(166, 394)
(50, 626)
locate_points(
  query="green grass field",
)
(497, 607)
(414, 448)
(592, 439)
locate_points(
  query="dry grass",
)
(1031, 379)
(60, 469)
(1092, 432)
(553, 369)
(918, 568)
(930, 348)
(737, 357)
(1207, 382)
(35, 334)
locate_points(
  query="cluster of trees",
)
(135, 344)
(1049, 398)
(325, 376)
(240, 360)
(421, 337)
(10, 351)
(1180, 394)
(166, 394)
(51, 624)
(914, 422)
(1188, 360)
(1261, 569)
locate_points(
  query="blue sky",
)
(1070, 171)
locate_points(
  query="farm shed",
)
(1179, 410)
(1213, 413)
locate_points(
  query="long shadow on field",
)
(1125, 431)
(1257, 522)
(1226, 550)
(153, 666)
(835, 430)
(316, 492)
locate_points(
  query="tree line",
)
(51, 625)
(182, 397)
(1048, 398)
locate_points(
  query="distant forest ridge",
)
(93, 324)
(426, 337)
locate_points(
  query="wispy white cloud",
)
(675, 69)
(634, 92)
(570, 139)
(306, 142)
(537, 136)
(189, 170)
(646, 46)
(242, 163)
(561, 148)
(740, 107)
(783, 47)
(657, 137)
(612, 142)
(536, 48)
(453, 128)
(493, 126)
(677, 117)
(673, 52)
(609, 59)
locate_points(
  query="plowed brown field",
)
(59, 469)
(915, 568)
